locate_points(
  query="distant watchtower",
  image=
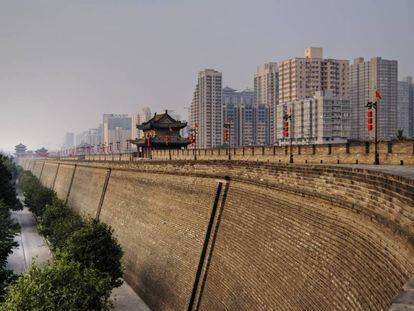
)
(20, 150)
(41, 153)
(161, 132)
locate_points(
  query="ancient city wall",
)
(246, 235)
(396, 152)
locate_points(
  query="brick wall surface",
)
(37, 168)
(63, 179)
(287, 237)
(48, 174)
(86, 190)
(280, 251)
(160, 222)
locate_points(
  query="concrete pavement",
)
(33, 248)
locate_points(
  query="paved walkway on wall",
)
(33, 248)
(406, 171)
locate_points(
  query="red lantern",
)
(369, 120)
(286, 128)
(166, 140)
(226, 134)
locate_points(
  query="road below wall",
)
(33, 249)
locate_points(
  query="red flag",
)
(378, 95)
(148, 142)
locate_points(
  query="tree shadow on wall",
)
(154, 288)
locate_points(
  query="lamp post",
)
(288, 128)
(193, 139)
(227, 137)
(374, 106)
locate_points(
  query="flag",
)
(378, 95)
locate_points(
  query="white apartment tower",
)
(301, 77)
(206, 113)
(116, 129)
(321, 119)
(365, 78)
(266, 87)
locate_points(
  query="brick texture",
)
(160, 222)
(301, 237)
(48, 174)
(86, 190)
(63, 178)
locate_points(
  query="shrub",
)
(36, 196)
(60, 285)
(58, 222)
(94, 246)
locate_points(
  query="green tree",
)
(59, 286)
(94, 246)
(400, 134)
(7, 232)
(36, 196)
(58, 222)
(7, 188)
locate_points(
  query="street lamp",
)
(227, 136)
(193, 139)
(288, 128)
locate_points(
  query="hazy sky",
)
(64, 63)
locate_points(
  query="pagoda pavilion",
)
(20, 150)
(161, 132)
(41, 153)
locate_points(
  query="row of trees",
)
(86, 262)
(8, 201)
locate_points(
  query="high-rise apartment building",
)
(206, 113)
(266, 88)
(92, 136)
(116, 128)
(69, 140)
(405, 106)
(321, 119)
(301, 77)
(365, 78)
(238, 111)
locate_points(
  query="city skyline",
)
(77, 71)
